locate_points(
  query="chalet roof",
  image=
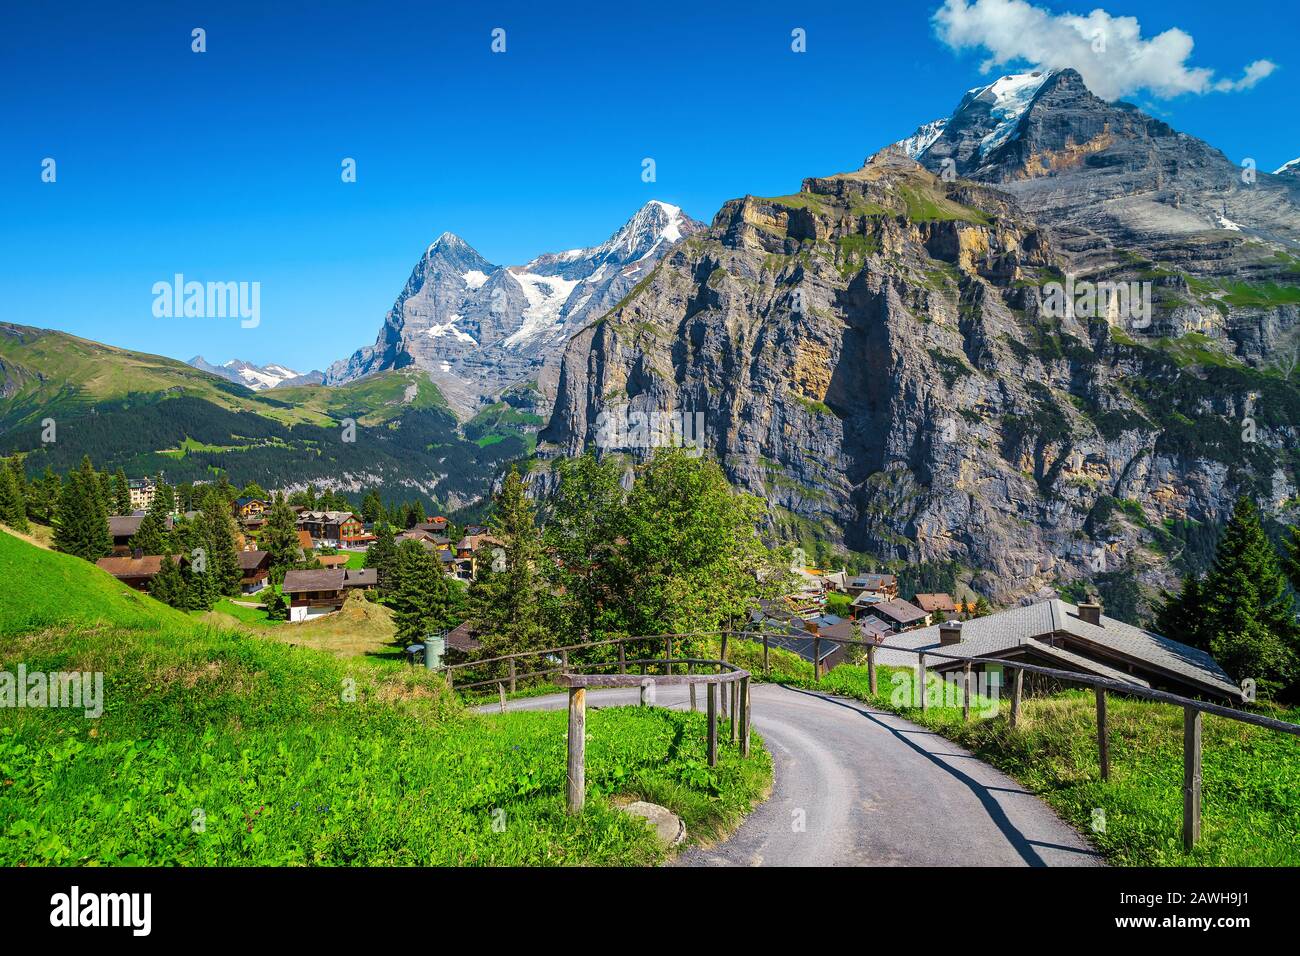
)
(129, 567)
(1003, 631)
(934, 602)
(296, 581)
(360, 577)
(253, 560)
(898, 610)
(304, 540)
(332, 560)
(873, 582)
(123, 526)
(461, 638)
(866, 599)
(240, 502)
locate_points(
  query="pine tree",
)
(280, 538)
(81, 523)
(153, 535)
(13, 509)
(1249, 612)
(422, 599)
(168, 585)
(220, 560)
(45, 498)
(121, 493)
(509, 599)
(372, 508)
(276, 608)
(382, 556)
(1181, 616)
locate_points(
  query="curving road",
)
(857, 786)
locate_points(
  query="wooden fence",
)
(736, 679)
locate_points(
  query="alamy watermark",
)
(212, 300)
(1118, 302)
(82, 690)
(623, 430)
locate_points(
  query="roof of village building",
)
(240, 502)
(123, 526)
(899, 611)
(126, 566)
(253, 560)
(872, 581)
(1112, 640)
(461, 638)
(360, 577)
(296, 581)
(304, 540)
(934, 602)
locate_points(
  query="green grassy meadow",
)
(220, 748)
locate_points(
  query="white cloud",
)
(1109, 52)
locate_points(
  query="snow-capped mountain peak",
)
(476, 327)
(1291, 168)
(257, 377)
(922, 139)
(1007, 98)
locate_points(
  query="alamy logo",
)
(213, 300)
(623, 430)
(76, 689)
(1114, 301)
(103, 909)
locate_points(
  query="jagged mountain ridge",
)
(258, 377)
(916, 400)
(477, 328)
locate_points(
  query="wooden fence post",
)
(577, 773)
(512, 675)
(668, 655)
(564, 662)
(920, 679)
(1103, 738)
(712, 706)
(622, 659)
(1017, 686)
(1191, 777)
(871, 667)
(767, 668)
(965, 694)
(501, 689)
(744, 716)
(734, 690)
(690, 669)
(724, 648)
(817, 659)
(451, 679)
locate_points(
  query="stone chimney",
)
(1090, 614)
(949, 632)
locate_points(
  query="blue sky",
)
(225, 166)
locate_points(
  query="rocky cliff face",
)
(884, 358)
(478, 328)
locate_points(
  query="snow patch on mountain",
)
(257, 377)
(1007, 98)
(924, 137)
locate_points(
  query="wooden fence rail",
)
(727, 675)
(739, 694)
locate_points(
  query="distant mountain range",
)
(478, 329)
(258, 377)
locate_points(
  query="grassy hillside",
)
(219, 748)
(1250, 795)
(146, 413)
